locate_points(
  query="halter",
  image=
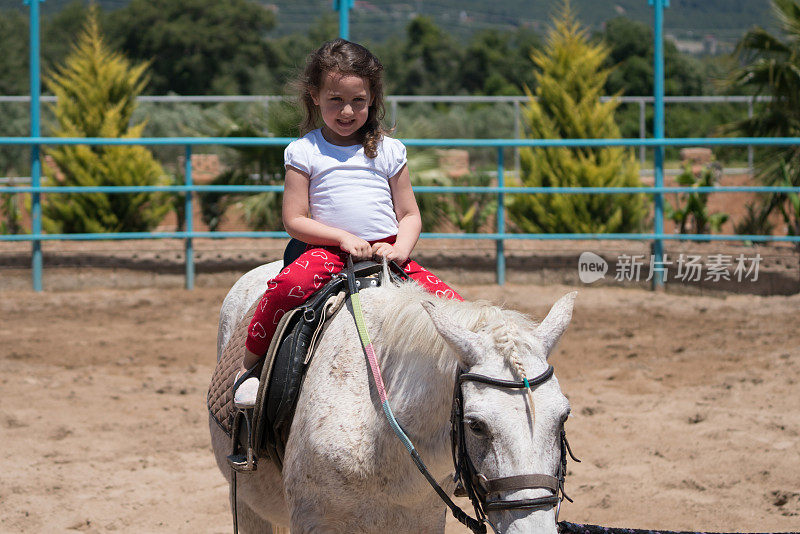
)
(476, 485)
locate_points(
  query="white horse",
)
(344, 469)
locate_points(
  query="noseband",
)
(482, 491)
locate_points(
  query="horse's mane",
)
(409, 330)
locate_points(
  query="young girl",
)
(347, 191)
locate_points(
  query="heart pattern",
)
(303, 264)
(329, 266)
(318, 281)
(446, 294)
(263, 304)
(278, 314)
(257, 330)
(272, 284)
(297, 292)
(320, 254)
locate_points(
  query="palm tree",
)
(771, 67)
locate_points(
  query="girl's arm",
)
(300, 226)
(408, 219)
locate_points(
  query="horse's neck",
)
(420, 394)
(419, 382)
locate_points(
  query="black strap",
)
(517, 482)
(476, 526)
(512, 384)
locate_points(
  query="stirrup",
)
(242, 462)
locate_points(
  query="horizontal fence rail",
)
(394, 101)
(501, 190)
(477, 143)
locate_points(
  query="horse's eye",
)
(565, 417)
(478, 428)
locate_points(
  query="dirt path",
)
(686, 409)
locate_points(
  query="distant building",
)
(707, 45)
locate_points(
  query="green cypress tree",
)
(96, 89)
(569, 82)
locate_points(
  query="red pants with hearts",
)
(299, 280)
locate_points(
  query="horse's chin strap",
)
(477, 526)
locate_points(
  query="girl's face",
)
(343, 102)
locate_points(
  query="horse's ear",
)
(556, 322)
(464, 342)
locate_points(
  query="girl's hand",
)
(385, 250)
(356, 247)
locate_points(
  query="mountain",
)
(375, 20)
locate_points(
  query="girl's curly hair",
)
(346, 58)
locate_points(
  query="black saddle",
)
(263, 431)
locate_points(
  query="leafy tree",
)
(199, 46)
(570, 80)
(61, 28)
(96, 90)
(631, 53)
(498, 63)
(13, 53)
(426, 63)
(295, 47)
(772, 67)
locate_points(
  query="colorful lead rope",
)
(473, 524)
(361, 326)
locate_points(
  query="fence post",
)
(517, 135)
(343, 6)
(188, 220)
(750, 147)
(658, 130)
(36, 131)
(266, 115)
(642, 131)
(501, 221)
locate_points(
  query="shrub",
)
(569, 82)
(96, 90)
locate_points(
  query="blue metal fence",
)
(658, 142)
(658, 236)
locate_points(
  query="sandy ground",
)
(685, 408)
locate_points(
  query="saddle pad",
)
(220, 391)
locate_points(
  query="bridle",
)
(482, 490)
(475, 484)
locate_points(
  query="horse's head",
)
(510, 431)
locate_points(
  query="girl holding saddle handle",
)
(347, 191)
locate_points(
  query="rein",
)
(477, 486)
(474, 525)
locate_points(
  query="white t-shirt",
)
(348, 190)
